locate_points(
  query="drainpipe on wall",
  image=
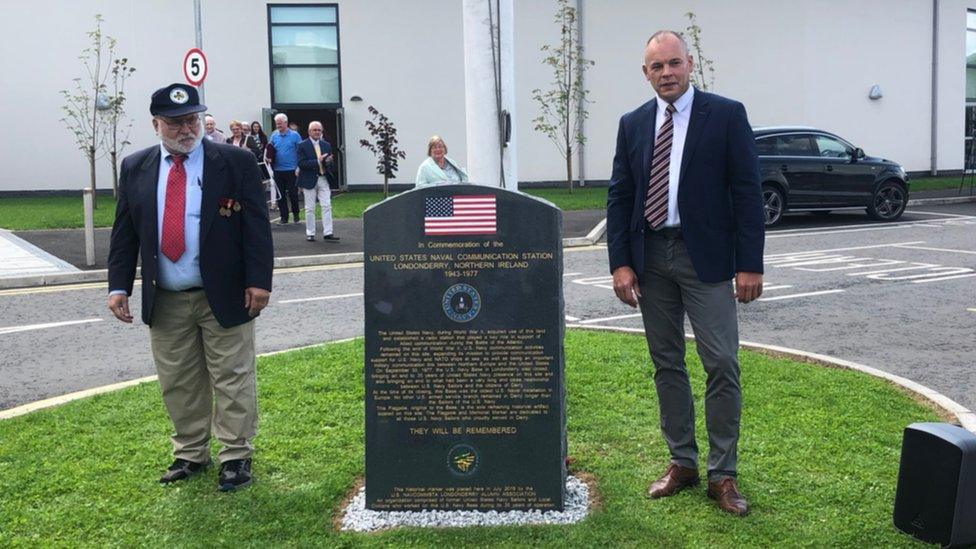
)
(934, 170)
(581, 147)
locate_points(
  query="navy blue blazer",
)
(236, 252)
(308, 163)
(719, 192)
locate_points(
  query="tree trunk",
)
(115, 175)
(569, 170)
(91, 175)
(386, 186)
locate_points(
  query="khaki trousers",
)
(200, 364)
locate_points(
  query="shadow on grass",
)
(818, 460)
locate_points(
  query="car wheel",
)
(888, 202)
(773, 204)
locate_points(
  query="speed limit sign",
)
(195, 66)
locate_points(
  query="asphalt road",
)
(900, 297)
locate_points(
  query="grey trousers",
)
(207, 374)
(670, 287)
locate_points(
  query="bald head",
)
(667, 65)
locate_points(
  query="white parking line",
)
(792, 296)
(320, 298)
(852, 248)
(571, 274)
(778, 287)
(916, 266)
(598, 320)
(936, 249)
(15, 329)
(571, 318)
(943, 278)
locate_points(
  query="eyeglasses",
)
(174, 124)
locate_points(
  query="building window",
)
(970, 143)
(304, 44)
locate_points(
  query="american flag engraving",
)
(459, 215)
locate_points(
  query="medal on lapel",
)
(227, 206)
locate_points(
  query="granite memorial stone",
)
(464, 370)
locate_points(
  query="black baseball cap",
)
(176, 100)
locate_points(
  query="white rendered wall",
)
(808, 63)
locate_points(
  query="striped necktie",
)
(656, 205)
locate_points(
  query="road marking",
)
(571, 274)
(320, 298)
(937, 249)
(972, 310)
(944, 278)
(571, 318)
(15, 329)
(947, 214)
(779, 287)
(934, 272)
(792, 296)
(829, 232)
(596, 320)
(917, 266)
(792, 254)
(876, 263)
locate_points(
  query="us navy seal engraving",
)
(461, 302)
(463, 460)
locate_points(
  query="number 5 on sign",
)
(195, 66)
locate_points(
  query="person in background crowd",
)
(285, 164)
(238, 139)
(207, 268)
(314, 155)
(246, 127)
(212, 133)
(260, 140)
(295, 128)
(438, 167)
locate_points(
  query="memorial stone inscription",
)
(464, 358)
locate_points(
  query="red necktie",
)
(656, 205)
(173, 243)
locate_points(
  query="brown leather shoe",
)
(675, 479)
(726, 493)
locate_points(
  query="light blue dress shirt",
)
(185, 272)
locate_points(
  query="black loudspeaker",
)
(936, 496)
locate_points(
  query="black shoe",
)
(182, 469)
(234, 474)
(281, 222)
(310, 238)
(330, 237)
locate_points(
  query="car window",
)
(766, 146)
(831, 148)
(795, 145)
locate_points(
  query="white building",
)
(810, 63)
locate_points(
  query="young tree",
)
(384, 147)
(703, 77)
(563, 107)
(82, 106)
(117, 125)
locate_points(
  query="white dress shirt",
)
(680, 121)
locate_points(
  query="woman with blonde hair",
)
(438, 167)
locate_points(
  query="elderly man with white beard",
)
(195, 214)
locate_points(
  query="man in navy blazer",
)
(194, 212)
(314, 156)
(684, 217)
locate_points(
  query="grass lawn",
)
(933, 183)
(818, 460)
(65, 212)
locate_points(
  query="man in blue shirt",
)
(285, 141)
(195, 213)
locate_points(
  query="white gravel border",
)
(357, 518)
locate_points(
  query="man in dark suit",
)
(684, 216)
(194, 212)
(314, 156)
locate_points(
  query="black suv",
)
(813, 170)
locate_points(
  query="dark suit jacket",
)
(308, 163)
(719, 193)
(235, 252)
